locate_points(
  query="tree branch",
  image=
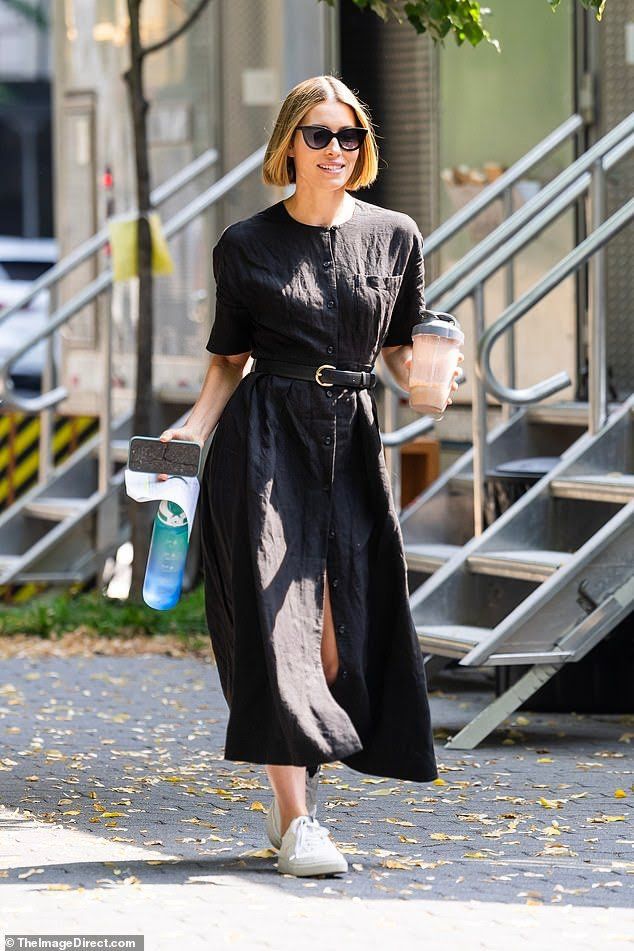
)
(187, 22)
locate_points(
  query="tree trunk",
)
(143, 424)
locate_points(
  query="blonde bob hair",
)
(278, 167)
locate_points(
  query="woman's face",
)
(308, 173)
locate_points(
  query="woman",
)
(305, 577)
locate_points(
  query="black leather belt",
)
(325, 375)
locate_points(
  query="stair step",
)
(462, 480)
(428, 556)
(54, 509)
(450, 640)
(50, 577)
(523, 564)
(574, 413)
(183, 395)
(119, 450)
(603, 487)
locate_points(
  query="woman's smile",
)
(332, 167)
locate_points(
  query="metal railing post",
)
(597, 369)
(105, 409)
(46, 461)
(479, 421)
(509, 286)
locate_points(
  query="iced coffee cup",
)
(436, 346)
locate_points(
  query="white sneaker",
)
(307, 849)
(273, 814)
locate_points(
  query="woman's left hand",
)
(456, 374)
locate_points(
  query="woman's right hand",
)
(184, 433)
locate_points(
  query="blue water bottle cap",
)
(171, 513)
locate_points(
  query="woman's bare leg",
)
(329, 653)
(289, 782)
(289, 786)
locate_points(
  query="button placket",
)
(330, 439)
(331, 292)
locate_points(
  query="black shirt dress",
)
(295, 483)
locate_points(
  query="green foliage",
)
(462, 19)
(57, 614)
(598, 5)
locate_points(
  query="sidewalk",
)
(115, 795)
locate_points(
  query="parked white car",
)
(22, 260)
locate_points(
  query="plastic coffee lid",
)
(440, 324)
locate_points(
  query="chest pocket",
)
(374, 296)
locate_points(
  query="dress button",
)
(331, 533)
(329, 393)
(334, 581)
(344, 674)
(330, 349)
(327, 440)
(331, 303)
(327, 263)
(342, 628)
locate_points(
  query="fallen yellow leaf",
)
(552, 849)
(445, 837)
(550, 803)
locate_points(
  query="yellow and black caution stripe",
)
(19, 465)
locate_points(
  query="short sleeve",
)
(231, 331)
(410, 302)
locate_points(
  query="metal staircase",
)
(554, 574)
(544, 582)
(62, 530)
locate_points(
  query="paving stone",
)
(86, 738)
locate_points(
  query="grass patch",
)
(56, 614)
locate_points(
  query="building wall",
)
(494, 107)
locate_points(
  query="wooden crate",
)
(420, 465)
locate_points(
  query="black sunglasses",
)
(319, 136)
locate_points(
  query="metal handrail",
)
(499, 186)
(576, 179)
(101, 283)
(530, 230)
(618, 136)
(578, 256)
(88, 248)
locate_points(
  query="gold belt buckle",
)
(324, 366)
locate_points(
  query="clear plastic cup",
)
(436, 346)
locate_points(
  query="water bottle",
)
(166, 559)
